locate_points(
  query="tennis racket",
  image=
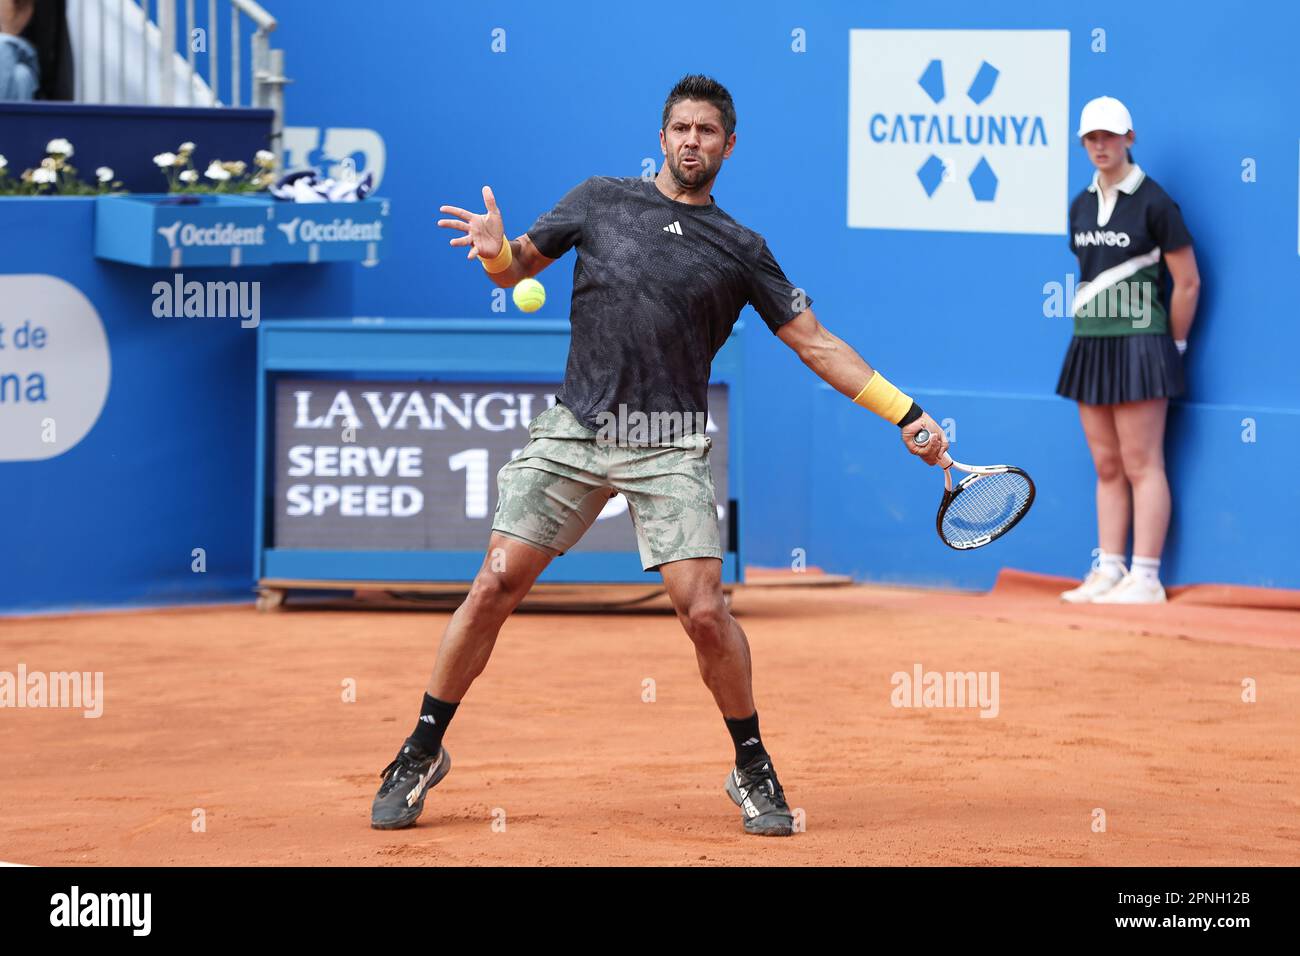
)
(984, 506)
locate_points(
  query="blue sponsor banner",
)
(330, 232)
(184, 230)
(175, 230)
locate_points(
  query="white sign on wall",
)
(959, 130)
(54, 367)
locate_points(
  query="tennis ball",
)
(529, 295)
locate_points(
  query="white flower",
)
(264, 157)
(214, 171)
(189, 175)
(44, 175)
(59, 147)
(104, 174)
(3, 162)
(186, 148)
(164, 160)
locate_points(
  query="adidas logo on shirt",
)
(675, 228)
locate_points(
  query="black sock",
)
(435, 715)
(744, 734)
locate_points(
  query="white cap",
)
(1105, 112)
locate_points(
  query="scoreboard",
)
(379, 442)
(412, 465)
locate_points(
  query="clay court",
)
(1137, 711)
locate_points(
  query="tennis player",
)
(661, 276)
(1125, 361)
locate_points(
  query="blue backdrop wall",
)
(531, 99)
(168, 466)
(440, 98)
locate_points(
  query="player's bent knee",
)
(490, 596)
(708, 623)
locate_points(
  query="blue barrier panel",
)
(164, 465)
(875, 507)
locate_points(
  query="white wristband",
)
(1181, 345)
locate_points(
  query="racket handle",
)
(922, 438)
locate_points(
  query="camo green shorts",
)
(551, 494)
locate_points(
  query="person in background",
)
(35, 51)
(1125, 362)
(20, 71)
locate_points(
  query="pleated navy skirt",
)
(1109, 369)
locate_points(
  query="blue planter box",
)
(331, 232)
(157, 230)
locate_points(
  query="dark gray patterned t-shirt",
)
(657, 287)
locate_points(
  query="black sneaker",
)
(407, 780)
(758, 793)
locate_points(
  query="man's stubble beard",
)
(704, 175)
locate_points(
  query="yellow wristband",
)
(881, 397)
(502, 261)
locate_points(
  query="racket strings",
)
(986, 506)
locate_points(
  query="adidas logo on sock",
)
(675, 228)
(428, 718)
(750, 742)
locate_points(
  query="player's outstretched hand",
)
(932, 450)
(484, 232)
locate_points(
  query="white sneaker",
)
(1097, 583)
(1133, 590)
